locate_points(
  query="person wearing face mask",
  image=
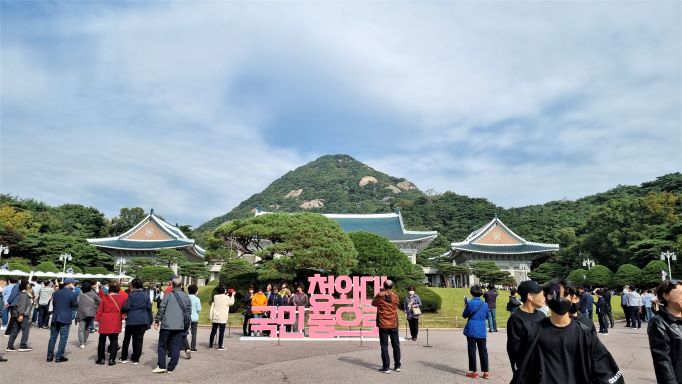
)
(412, 301)
(522, 323)
(665, 340)
(574, 296)
(563, 351)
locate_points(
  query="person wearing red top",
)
(109, 317)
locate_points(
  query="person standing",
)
(64, 301)
(246, 326)
(586, 303)
(514, 303)
(22, 312)
(490, 297)
(387, 303)
(602, 313)
(174, 319)
(413, 301)
(88, 304)
(625, 306)
(476, 311)
(665, 339)
(36, 286)
(139, 318)
(609, 308)
(565, 351)
(634, 307)
(300, 301)
(196, 309)
(44, 301)
(9, 298)
(220, 310)
(109, 317)
(522, 323)
(258, 300)
(647, 298)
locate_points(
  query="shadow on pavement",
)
(360, 362)
(443, 367)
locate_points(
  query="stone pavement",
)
(300, 362)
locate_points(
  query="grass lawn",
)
(450, 315)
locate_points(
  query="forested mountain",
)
(333, 183)
(627, 224)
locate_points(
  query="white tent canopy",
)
(15, 272)
(77, 276)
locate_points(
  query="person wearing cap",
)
(563, 350)
(64, 301)
(522, 322)
(387, 303)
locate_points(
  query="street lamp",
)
(120, 262)
(589, 263)
(65, 257)
(669, 255)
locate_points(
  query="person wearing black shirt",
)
(609, 309)
(563, 351)
(601, 313)
(521, 323)
(514, 303)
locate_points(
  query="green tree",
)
(651, 274)
(489, 273)
(378, 256)
(47, 247)
(136, 264)
(155, 274)
(238, 272)
(600, 276)
(627, 274)
(169, 257)
(312, 241)
(195, 270)
(546, 271)
(126, 219)
(578, 277)
(18, 263)
(96, 271)
(47, 266)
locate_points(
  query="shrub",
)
(96, 270)
(47, 266)
(431, 301)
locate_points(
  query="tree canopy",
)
(378, 256)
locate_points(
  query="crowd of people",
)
(551, 336)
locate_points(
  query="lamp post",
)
(120, 262)
(4, 249)
(669, 255)
(589, 263)
(65, 257)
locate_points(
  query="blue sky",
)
(189, 108)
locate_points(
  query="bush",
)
(651, 274)
(431, 301)
(627, 274)
(600, 276)
(47, 266)
(96, 270)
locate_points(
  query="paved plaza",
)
(301, 361)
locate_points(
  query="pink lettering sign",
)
(339, 307)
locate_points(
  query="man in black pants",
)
(521, 323)
(609, 309)
(624, 305)
(246, 327)
(387, 303)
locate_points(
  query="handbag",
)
(416, 311)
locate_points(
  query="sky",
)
(191, 107)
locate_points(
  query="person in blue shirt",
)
(9, 297)
(476, 311)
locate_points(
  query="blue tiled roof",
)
(136, 244)
(387, 227)
(505, 249)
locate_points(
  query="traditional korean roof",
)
(152, 233)
(387, 225)
(497, 238)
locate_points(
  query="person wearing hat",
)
(64, 301)
(522, 322)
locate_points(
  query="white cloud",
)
(519, 102)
